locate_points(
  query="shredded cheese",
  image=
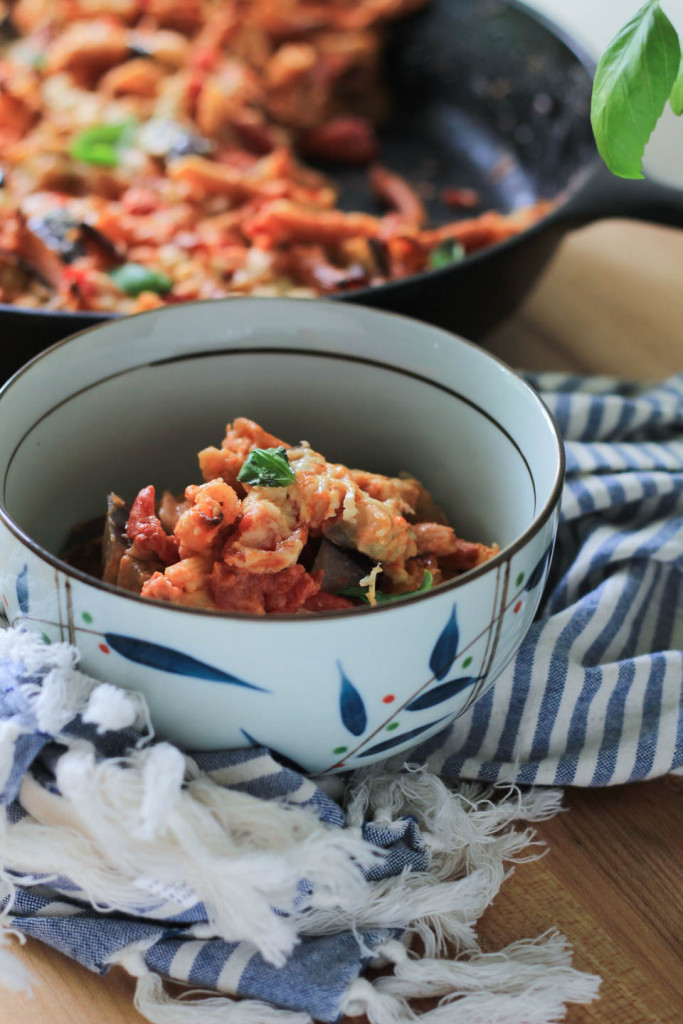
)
(370, 581)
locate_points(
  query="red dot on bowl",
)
(5, 599)
(389, 699)
(103, 648)
(517, 607)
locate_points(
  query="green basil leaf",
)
(676, 97)
(102, 143)
(632, 84)
(362, 592)
(133, 279)
(447, 253)
(267, 467)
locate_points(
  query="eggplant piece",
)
(134, 572)
(121, 562)
(100, 245)
(50, 241)
(59, 232)
(340, 567)
(114, 540)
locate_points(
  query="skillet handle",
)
(605, 195)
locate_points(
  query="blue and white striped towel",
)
(235, 874)
(595, 694)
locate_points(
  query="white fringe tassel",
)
(529, 982)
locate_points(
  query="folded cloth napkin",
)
(232, 873)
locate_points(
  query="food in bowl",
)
(133, 400)
(150, 153)
(278, 529)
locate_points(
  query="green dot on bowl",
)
(392, 725)
(340, 750)
(86, 616)
(519, 580)
(467, 662)
(45, 638)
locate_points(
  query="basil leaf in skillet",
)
(267, 467)
(362, 593)
(635, 77)
(134, 278)
(102, 143)
(447, 253)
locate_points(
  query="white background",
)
(594, 23)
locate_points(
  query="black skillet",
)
(489, 95)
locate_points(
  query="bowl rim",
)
(506, 553)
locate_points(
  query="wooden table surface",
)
(611, 302)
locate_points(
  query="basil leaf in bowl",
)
(361, 593)
(267, 467)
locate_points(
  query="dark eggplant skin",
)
(95, 239)
(114, 540)
(341, 567)
(60, 233)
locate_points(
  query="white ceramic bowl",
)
(131, 402)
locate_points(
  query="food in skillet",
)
(151, 152)
(278, 529)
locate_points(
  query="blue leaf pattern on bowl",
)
(351, 706)
(169, 660)
(537, 574)
(445, 648)
(22, 590)
(441, 693)
(396, 741)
